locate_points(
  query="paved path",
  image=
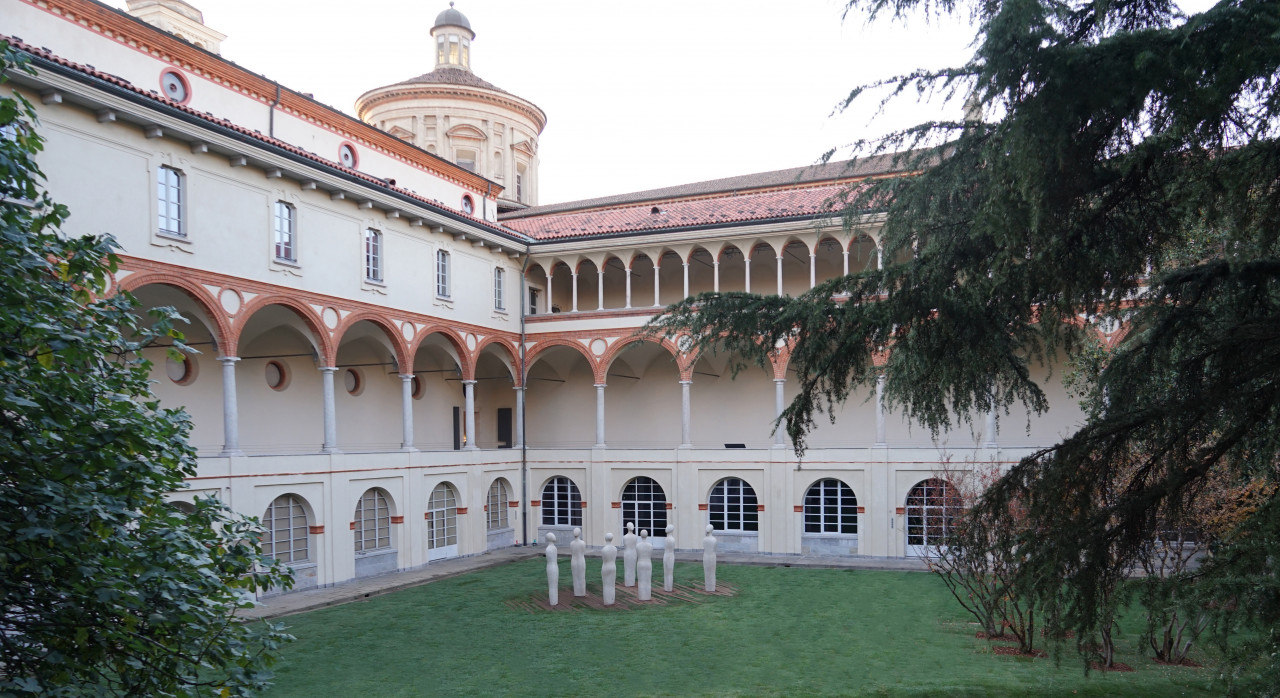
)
(356, 590)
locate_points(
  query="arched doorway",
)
(734, 513)
(442, 523)
(932, 507)
(645, 504)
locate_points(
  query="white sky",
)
(638, 95)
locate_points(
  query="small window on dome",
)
(467, 160)
(440, 50)
(466, 53)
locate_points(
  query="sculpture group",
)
(637, 564)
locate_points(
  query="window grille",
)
(561, 503)
(830, 507)
(373, 522)
(733, 506)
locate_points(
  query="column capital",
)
(779, 380)
(601, 385)
(406, 376)
(224, 360)
(686, 382)
(469, 381)
(328, 369)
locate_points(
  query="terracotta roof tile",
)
(452, 76)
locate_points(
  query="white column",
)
(879, 257)
(779, 436)
(846, 261)
(991, 430)
(628, 270)
(686, 279)
(779, 275)
(549, 275)
(880, 422)
(656, 302)
(746, 277)
(330, 412)
(813, 270)
(230, 409)
(575, 292)
(469, 406)
(600, 415)
(518, 440)
(685, 429)
(600, 289)
(715, 275)
(406, 410)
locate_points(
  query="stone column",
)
(779, 275)
(685, 429)
(518, 437)
(813, 269)
(715, 275)
(600, 415)
(880, 421)
(746, 278)
(600, 289)
(779, 436)
(991, 430)
(686, 279)
(656, 302)
(406, 410)
(628, 275)
(549, 275)
(230, 408)
(330, 412)
(879, 257)
(469, 406)
(574, 278)
(846, 261)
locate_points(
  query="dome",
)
(453, 18)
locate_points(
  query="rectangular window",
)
(286, 223)
(498, 295)
(520, 186)
(169, 201)
(372, 255)
(442, 273)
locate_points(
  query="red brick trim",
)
(397, 519)
(516, 504)
(670, 506)
(862, 510)
(616, 505)
(584, 504)
(535, 503)
(462, 510)
(702, 507)
(902, 510)
(799, 508)
(353, 525)
(759, 507)
(426, 515)
(317, 530)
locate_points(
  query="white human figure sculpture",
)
(553, 571)
(644, 568)
(578, 563)
(629, 556)
(709, 561)
(669, 560)
(608, 569)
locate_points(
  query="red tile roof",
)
(153, 95)
(733, 207)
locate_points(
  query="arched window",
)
(932, 506)
(830, 507)
(286, 537)
(497, 505)
(373, 522)
(561, 503)
(442, 517)
(645, 505)
(733, 506)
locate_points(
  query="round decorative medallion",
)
(330, 317)
(407, 330)
(230, 300)
(598, 346)
(347, 156)
(471, 342)
(175, 86)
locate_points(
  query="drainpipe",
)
(271, 115)
(524, 395)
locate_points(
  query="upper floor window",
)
(286, 225)
(442, 273)
(440, 52)
(169, 201)
(498, 302)
(372, 255)
(520, 183)
(467, 160)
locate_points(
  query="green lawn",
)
(789, 631)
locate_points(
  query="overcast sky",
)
(638, 95)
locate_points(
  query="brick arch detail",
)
(543, 345)
(404, 360)
(222, 329)
(512, 352)
(451, 335)
(616, 348)
(329, 354)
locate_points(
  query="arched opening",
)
(442, 522)
(671, 278)
(561, 507)
(734, 513)
(615, 283)
(193, 381)
(701, 271)
(733, 269)
(642, 295)
(560, 402)
(863, 255)
(499, 527)
(374, 540)
(932, 508)
(764, 270)
(645, 505)
(280, 389)
(561, 288)
(286, 536)
(367, 390)
(642, 400)
(830, 519)
(495, 399)
(795, 269)
(535, 301)
(588, 285)
(828, 260)
(438, 403)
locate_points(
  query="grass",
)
(789, 631)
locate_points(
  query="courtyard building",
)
(405, 355)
